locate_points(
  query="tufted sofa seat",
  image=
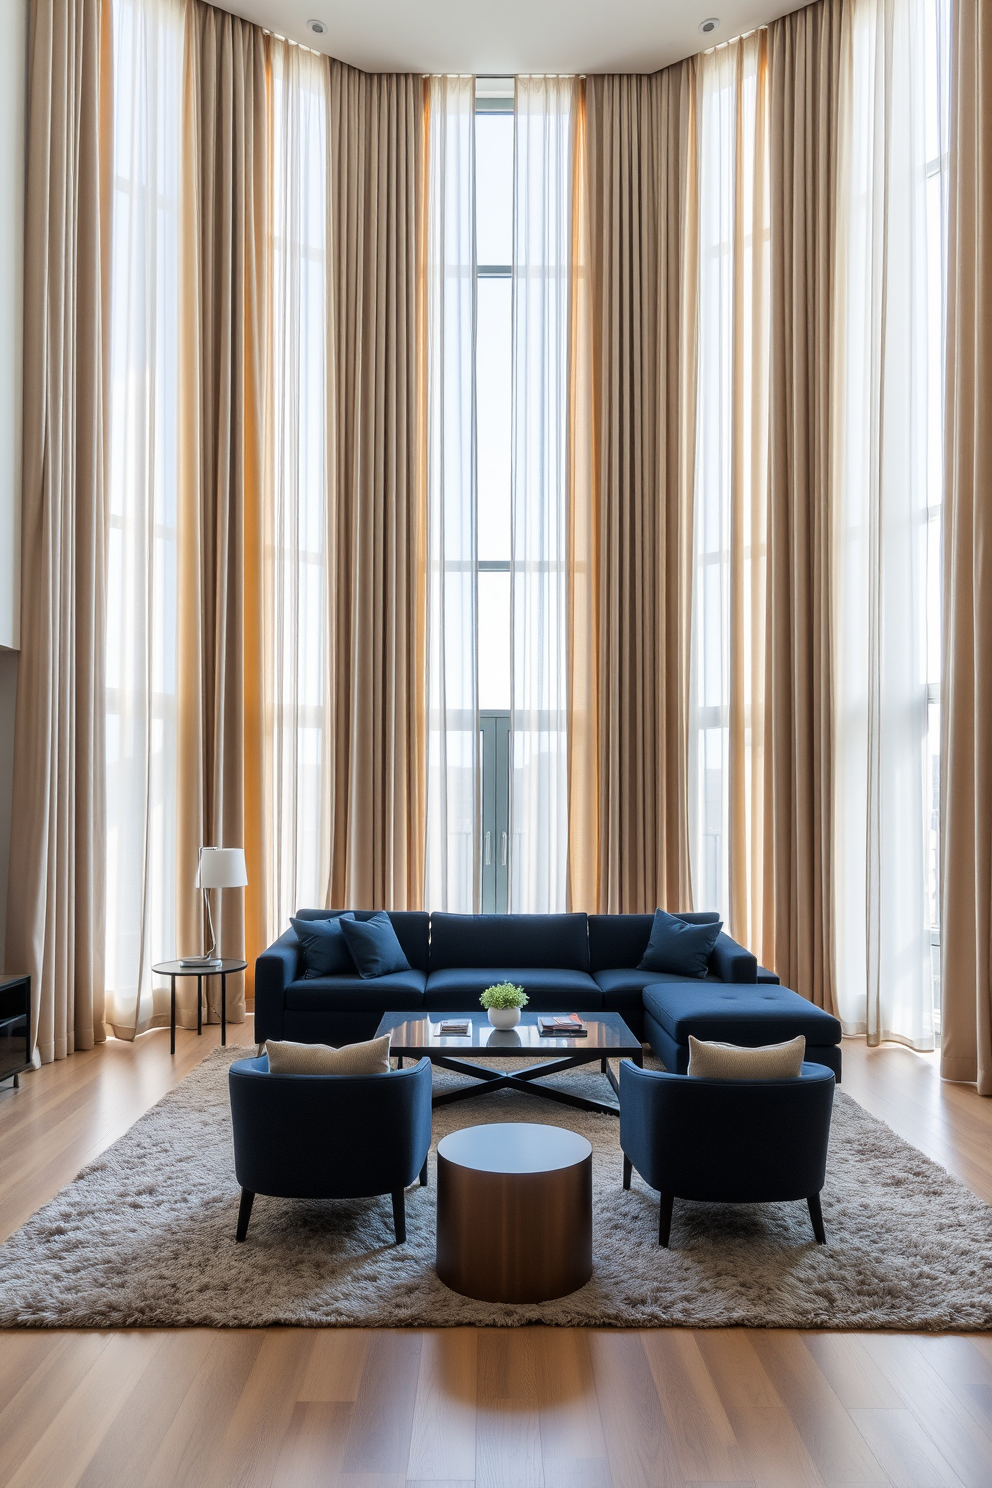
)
(711, 1009)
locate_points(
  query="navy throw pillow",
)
(325, 950)
(678, 947)
(374, 946)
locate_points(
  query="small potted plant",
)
(503, 1003)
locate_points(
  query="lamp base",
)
(204, 963)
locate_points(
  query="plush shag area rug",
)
(144, 1237)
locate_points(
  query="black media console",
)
(15, 1026)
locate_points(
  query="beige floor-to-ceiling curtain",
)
(966, 806)
(630, 526)
(221, 212)
(343, 526)
(377, 486)
(804, 63)
(55, 898)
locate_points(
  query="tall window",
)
(494, 373)
(143, 481)
(499, 209)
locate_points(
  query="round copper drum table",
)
(514, 1212)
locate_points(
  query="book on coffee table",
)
(562, 1025)
(451, 1028)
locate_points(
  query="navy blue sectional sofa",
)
(566, 962)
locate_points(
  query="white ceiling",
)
(509, 36)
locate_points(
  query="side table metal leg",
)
(172, 1018)
(199, 1004)
(223, 1007)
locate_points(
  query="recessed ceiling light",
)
(317, 27)
(709, 25)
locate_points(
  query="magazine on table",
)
(562, 1025)
(452, 1028)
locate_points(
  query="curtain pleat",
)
(376, 495)
(803, 62)
(966, 725)
(223, 136)
(55, 901)
(630, 520)
(453, 876)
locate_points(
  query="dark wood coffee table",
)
(608, 1038)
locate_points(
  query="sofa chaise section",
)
(723, 1013)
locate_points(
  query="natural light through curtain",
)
(727, 667)
(296, 616)
(452, 878)
(141, 577)
(544, 126)
(887, 505)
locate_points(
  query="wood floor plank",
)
(382, 1424)
(775, 1453)
(909, 1456)
(191, 1450)
(705, 1444)
(443, 1438)
(639, 1443)
(840, 1452)
(851, 1372)
(508, 1423)
(127, 1450)
(336, 1364)
(314, 1444)
(943, 1413)
(61, 1454)
(262, 1415)
(31, 1411)
(571, 1424)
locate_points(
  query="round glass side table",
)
(173, 969)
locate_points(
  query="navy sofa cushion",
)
(374, 947)
(550, 990)
(412, 926)
(679, 947)
(385, 994)
(732, 963)
(494, 940)
(761, 1014)
(325, 950)
(621, 939)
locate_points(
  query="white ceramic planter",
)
(504, 1017)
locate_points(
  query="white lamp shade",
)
(221, 868)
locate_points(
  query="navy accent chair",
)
(727, 1141)
(329, 1136)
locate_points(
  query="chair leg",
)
(816, 1215)
(665, 1218)
(399, 1215)
(423, 1175)
(244, 1213)
(627, 1166)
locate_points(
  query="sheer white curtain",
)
(730, 487)
(296, 620)
(141, 577)
(452, 874)
(542, 215)
(887, 365)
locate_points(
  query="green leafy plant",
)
(504, 995)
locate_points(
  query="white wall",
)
(13, 68)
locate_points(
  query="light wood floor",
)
(534, 1407)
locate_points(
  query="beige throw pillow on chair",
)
(371, 1058)
(712, 1061)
